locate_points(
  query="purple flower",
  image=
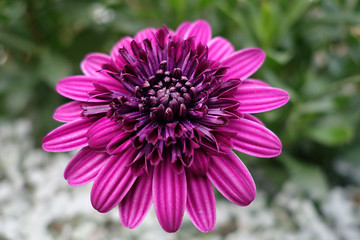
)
(157, 120)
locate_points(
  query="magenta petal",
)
(68, 137)
(200, 164)
(242, 64)
(84, 166)
(119, 143)
(111, 84)
(113, 182)
(182, 29)
(76, 87)
(102, 132)
(114, 53)
(92, 64)
(232, 179)
(169, 195)
(251, 82)
(147, 33)
(137, 202)
(255, 139)
(200, 30)
(200, 204)
(68, 112)
(253, 118)
(219, 48)
(260, 99)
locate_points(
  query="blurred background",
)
(311, 191)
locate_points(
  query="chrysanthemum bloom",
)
(157, 120)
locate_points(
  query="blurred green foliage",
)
(312, 48)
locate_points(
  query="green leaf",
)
(332, 134)
(53, 67)
(18, 43)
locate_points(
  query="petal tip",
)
(286, 97)
(258, 51)
(206, 230)
(129, 224)
(202, 21)
(260, 55)
(232, 179)
(47, 144)
(96, 204)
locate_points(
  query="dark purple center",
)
(174, 99)
(166, 96)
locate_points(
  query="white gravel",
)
(36, 203)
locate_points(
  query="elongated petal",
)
(260, 99)
(92, 64)
(84, 166)
(111, 84)
(255, 139)
(102, 132)
(78, 87)
(145, 33)
(75, 87)
(200, 204)
(169, 195)
(219, 48)
(68, 137)
(242, 64)
(114, 53)
(200, 30)
(68, 112)
(182, 29)
(113, 182)
(200, 164)
(232, 179)
(137, 202)
(251, 82)
(253, 118)
(119, 143)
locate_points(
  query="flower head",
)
(157, 120)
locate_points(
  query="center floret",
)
(166, 96)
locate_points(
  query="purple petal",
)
(92, 64)
(75, 87)
(200, 204)
(200, 30)
(78, 87)
(114, 53)
(84, 166)
(255, 139)
(200, 164)
(68, 112)
(102, 132)
(169, 195)
(68, 137)
(113, 182)
(137, 202)
(219, 48)
(145, 33)
(232, 179)
(182, 29)
(251, 82)
(242, 64)
(253, 118)
(260, 99)
(111, 84)
(119, 143)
